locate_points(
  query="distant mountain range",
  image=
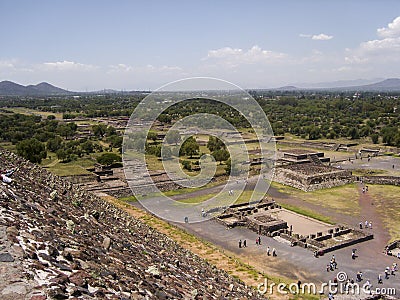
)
(387, 85)
(9, 88)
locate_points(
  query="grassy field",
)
(387, 202)
(8, 146)
(59, 168)
(308, 213)
(29, 111)
(244, 197)
(343, 198)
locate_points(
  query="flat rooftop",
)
(300, 224)
(310, 169)
(300, 152)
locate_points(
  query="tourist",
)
(380, 279)
(5, 175)
(353, 254)
(333, 262)
(361, 225)
(366, 188)
(268, 251)
(244, 243)
(273, 252)
(240, 243)
(370, 225)
(392, 270)
(366, 224)
(387, 269)
(368, 285)
(256, 241)
(398, 255)
(259, 240)
(359, 276)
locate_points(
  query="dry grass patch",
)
(343, 199)
(387, 201)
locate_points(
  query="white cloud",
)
(67, 66)
(385, 49)
(123, 68)
(317, 37)
(322, 37)
(392, 30)
(13, 66)
(224, 52)
(235, 56)
(120, 68)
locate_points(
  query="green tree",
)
(99, 130)
(314, 133)
(32, 150)
(54, 144)
(220, 155)
(87, 146)
(353, 133)
(214, 144)
(375, 138)
(189, 147)
(67, 130)
(109, 158)
(152, 136)
(110, 130)
(187, 165)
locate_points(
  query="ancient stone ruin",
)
(60, 242)
(260, 216)
(305, 170)
(310, 177)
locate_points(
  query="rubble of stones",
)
(73, 245)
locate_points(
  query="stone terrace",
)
(311, 176)
(69, 244)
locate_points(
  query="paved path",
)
(298, 263)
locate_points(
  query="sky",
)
(139, 45)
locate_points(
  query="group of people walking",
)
(366, 225)
(243, 244)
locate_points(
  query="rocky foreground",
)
(59, 242)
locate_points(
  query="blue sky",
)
(89, 45)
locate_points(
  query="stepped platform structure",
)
(311, 176)
(298, 156)
(61, 242)
(268, 218)
(308, 171)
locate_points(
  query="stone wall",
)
(389, 180)
(312, 182)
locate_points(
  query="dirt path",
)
(369, 213)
